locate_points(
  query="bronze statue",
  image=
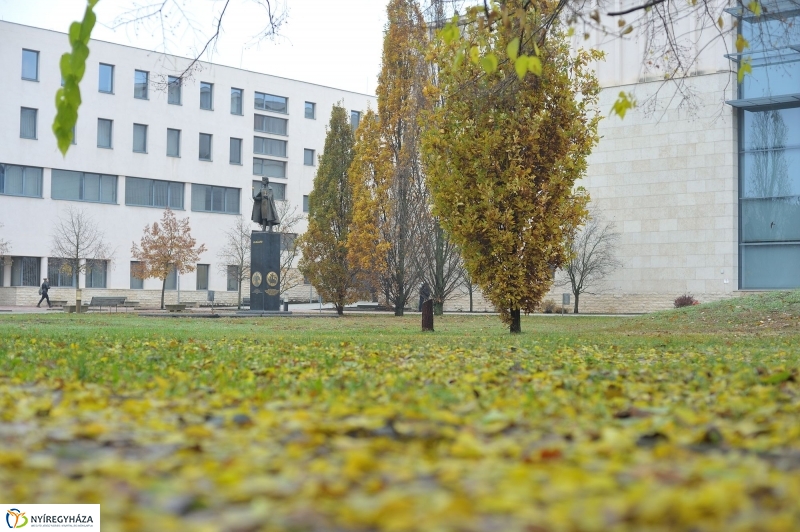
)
(264, 211)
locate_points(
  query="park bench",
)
(245, 301)
(104, 301)
(130, 304)
(176, 308)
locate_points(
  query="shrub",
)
(549, 306)
(686, 300)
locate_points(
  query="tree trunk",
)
(163, 288)
(470, 298)
(577, 295)
(398, 310)
(438, 285)
(239, 301)
(516, 326)
(427, 315)
(339, 309)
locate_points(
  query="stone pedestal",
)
(265, 271)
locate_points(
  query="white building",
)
(142, 144)
(707, 201)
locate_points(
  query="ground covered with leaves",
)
(686, 420)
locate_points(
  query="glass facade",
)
(769, 154)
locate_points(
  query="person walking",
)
(43, 290)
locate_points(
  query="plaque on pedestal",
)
(265, 271)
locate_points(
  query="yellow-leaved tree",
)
(387, 172)
(330, 214)
(503, 153)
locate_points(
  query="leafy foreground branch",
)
(234, 434)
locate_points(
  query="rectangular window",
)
(20, 180)
(355, 119)
(274, 147)
(136, 283)
(311, 110)
(140, 138)
(206, 96)
(173, 90)
(269, 124)
(106, 81)
(233, 278)
(25, 271)
(236, 151)
(272, 103)
(173, 142)
(236, 101)
(205, 147)
(305, 203)
(202, 276)
(30, 65)
(172, 279)
(207, 198)
(140, 83)
(96, 273)
(308, 157)
(27, 123)
(153, 193)
(60, 272)
(83, 186)
(269, 168)
(278, 190)
(105, 131)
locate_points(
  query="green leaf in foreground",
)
(73, 67)
(624, 102)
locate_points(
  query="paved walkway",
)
(300, 308)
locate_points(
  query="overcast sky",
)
(332, 43)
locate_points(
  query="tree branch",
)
(644, 6)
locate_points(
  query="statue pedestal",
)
(265, 271)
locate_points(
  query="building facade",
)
(704, 192)
(145, 141)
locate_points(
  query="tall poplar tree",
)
(389, 183)
(504, 150)
(330, 214)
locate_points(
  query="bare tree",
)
(77, 243)
(172, 17)
(468, 284)
(440, 261)
(290, 252)
(593, 256)
(235, 253)
(4, 245)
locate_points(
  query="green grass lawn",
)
(681, 420)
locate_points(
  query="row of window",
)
(141, 85)
(25, 272)
(101, 188)
(60, 273)
(261, 145)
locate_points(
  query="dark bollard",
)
(427, 315)
(286, 306)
